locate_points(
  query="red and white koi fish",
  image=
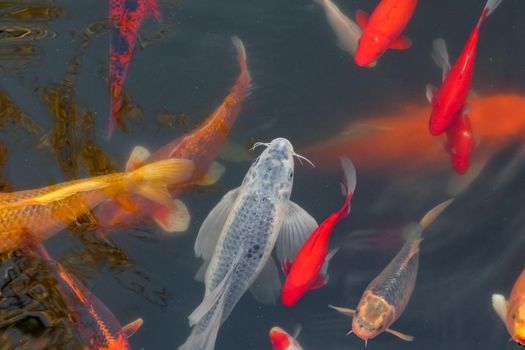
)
(126, 17)
(382, 30)
(450, 99)
(202, 146)
(281, 340)
(101, 330)
(309, 269)
(386, 297)
(460, 139)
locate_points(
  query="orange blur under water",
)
(400, 141)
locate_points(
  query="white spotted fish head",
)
(272, 172)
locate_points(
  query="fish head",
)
(517, 319)
(280, 339)
(372, 45)
(372, 316)
(272, 172)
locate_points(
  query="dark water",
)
(305, 89)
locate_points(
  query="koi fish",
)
(102, 331)
(380, 142)
(201, 146)
(382, 30)
(450, 99)
(386, 297)
(512, 311)
(36, 215)
(460, 140)
(308, 270)
(346, 30)
(237, 238)
(281, 340)
(126, 17)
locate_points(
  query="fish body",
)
(201, 146)
(99, 328)
(126, 17)
(512, 311)
(450, 99)
(386, 297)
(460, 143)
(347, 31)
(36, 215)
(382, 30)
(238, 236)
(306, 271)
(281, 340)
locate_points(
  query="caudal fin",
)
(490, 6)
(152, 180)
(349, 179)
(243, 60)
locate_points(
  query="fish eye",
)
(290, 176)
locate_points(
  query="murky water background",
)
(305, 89)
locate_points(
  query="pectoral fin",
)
(345, 311)
(500, 305)
(213, 175)
(132, 327)
(137, 158)
(298, 225)
(401, 43)
(431, 92)
(212, 226)
(175, 218)
(266, 288)
(361, 17)
(400, 335)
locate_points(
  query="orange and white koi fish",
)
(386, 297)
(36, 215)
(101, 331)
(450, 99)
(512, 311)
(346, 30)
(398, 141)
(382, 30)
(281, 340)
(309, 269)
(201, 146)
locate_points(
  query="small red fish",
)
(126, 17)
(382, 30)
(308, 270)
(281, 340)
(101, 331)
(460, 143)
(448, 101)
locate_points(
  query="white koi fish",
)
(237, 238)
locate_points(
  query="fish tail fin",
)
(440, 55)
(490, 6)
(153, 8)
(242, 58)
(349, 180)
(151, 181)
(414, 231)
(205, 339)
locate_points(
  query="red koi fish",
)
(101, 331)
(281, 340)
(448, 101)
(460, 140)
(382, 30)
(126, 17)
(308, 270)
(460, 143)
(202, 145)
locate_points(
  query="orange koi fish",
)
(386, 297)
(281, 340)
(398, 140)
(308, 270)
(201, 146)
(126, 17)
(106, 333)
(382, 30)
(448, 101)
(36, 215)
(512, 311)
